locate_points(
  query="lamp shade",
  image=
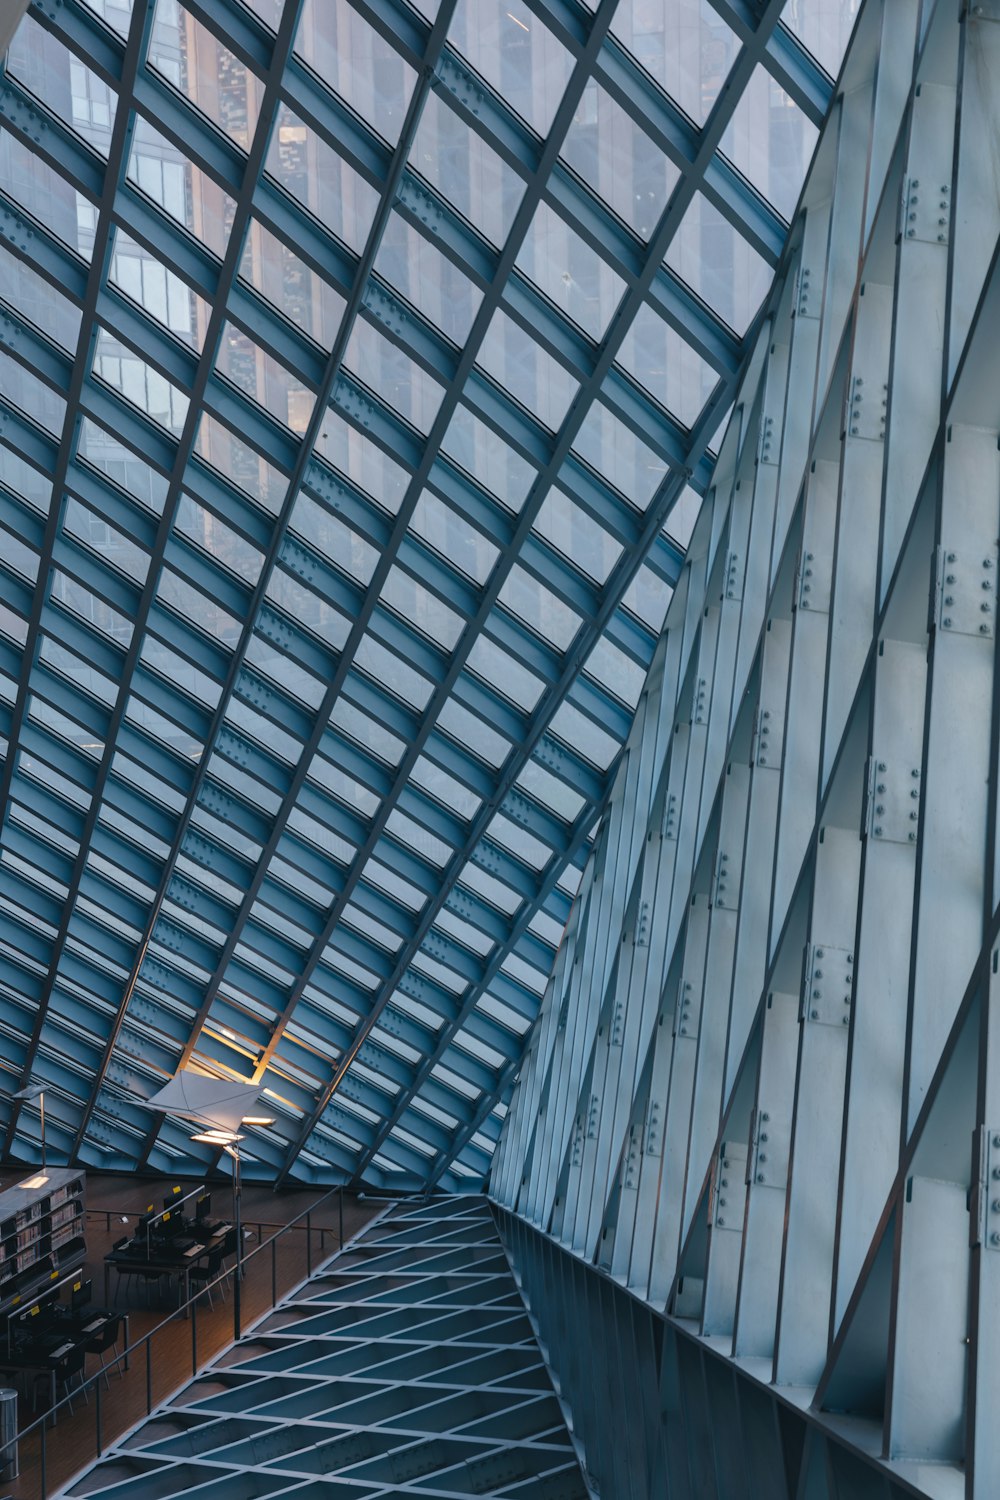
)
(218, 1102)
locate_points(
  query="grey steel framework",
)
(407, 1366)
(354, 409)
(762, 1100)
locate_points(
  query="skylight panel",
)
(616, 158)
(684, 44)
(666, 366)
(416, 269)
(205, 71)
(307, 166)
(485, 455)
(467, 172)
(526, 370)
(517, 55)
(357, 63)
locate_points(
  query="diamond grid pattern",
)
(359, 367)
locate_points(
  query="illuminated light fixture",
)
(35, 1182)
(36, 1091)
(229, 1141)
(257, 1120)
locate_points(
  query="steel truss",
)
(762, 1096)
(407, 1366)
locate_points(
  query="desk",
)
(161, 1260)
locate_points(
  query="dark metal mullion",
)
(121, 136)
(227, 276)
(672, 214)
(525, 213)
(363, 270)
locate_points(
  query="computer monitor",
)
(203, 1207)
(168, 1201)
(81, 1295)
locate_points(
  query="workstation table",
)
(40, 1353)
(160, 1260)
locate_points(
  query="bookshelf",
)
(41, 1233)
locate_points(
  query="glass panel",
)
(35, 300)
(524, 369)
(824, 27)
(26, 391)
(666, 366)
(417, 604)
(505, 675)
(506, 43)
(205, 71)
(393, 376)
(417, 270)
(569, 272)
(770, 140)
(309, 168)
(609, 151)
(717, 263)
(622, 458)
(63, 83)
(356, 62)
(179, 187)
(485, 455)
(260, 376)
(36, 187)
(465, 170)
(577, 535)
(358, 457)
(463, 546)
(685, 44)
(274, 270)
(139, 383)
(538, 607)
(158, 290)
(239, 462)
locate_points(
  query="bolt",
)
(881, 765)
(881, 787)
(844, 1021)
(984, 630)
(763, 1136)
(760, 1177)
(762, 1156)
(721, 1223)
(913, 838)
(949, 599)
(878, 832)
(995, 1239)
(950, 557)
(847, 999)
(814, 1014)
(765, 1116)
(818, 974)
(947, 621)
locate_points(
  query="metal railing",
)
(143, 1346)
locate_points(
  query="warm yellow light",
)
(34, 1182)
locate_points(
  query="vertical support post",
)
(149, 1377)
(238, 1224)
(341, 1214)
(309, 1245)
(97, 1418)
(194, 1337)
(274, 1271)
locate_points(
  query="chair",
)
(123, 1271)
(105, 1339)
(65, 1368)
(206, 1273)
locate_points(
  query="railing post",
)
(274, 1271)
(341, 1206)
(194, 1337)
(237, 1311)
(149, 1375)
(97, 1419)
(309, 1245)
(45, 1482)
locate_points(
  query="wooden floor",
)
(181, 1344)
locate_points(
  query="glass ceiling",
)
(358, 369)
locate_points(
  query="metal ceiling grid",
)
(358, 370)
